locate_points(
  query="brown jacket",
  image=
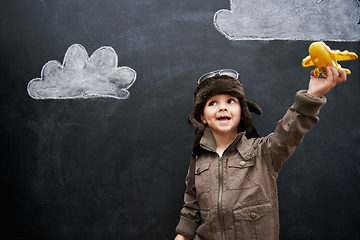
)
(235, 196)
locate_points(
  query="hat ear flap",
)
(246, 124)
(253, 107)
(194, 122)
(199, 132)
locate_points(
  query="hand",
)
(180, 237)
(318, 87)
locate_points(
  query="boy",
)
(231, 188)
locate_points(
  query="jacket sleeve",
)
(300, 118)
(190, 214)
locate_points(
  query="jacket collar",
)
(207, 141)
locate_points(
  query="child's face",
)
(222, 113)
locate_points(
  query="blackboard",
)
(107, 168)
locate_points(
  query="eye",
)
(231, 100)
(212, 103)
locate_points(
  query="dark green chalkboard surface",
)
(114, 168)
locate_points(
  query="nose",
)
(222, 108)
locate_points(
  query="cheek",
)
(238, 113)
(206, 114)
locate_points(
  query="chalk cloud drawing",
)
(331, 20)
(81, 76)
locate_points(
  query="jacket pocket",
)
(254, 222)
(202, 177)
(242, 172)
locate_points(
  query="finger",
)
(342, 76)
(335, 72)
(330, 77)
(333, 77)
(329, 73)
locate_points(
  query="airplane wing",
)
(307, 62)
(344, 56)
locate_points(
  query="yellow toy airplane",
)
(321, 56)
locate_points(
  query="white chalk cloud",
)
(81, 76)
(331, 20)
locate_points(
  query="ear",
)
(203, 119)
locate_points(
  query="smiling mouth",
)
(223, 118)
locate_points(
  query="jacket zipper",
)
(220, 196)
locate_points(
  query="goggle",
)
(222, 72)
